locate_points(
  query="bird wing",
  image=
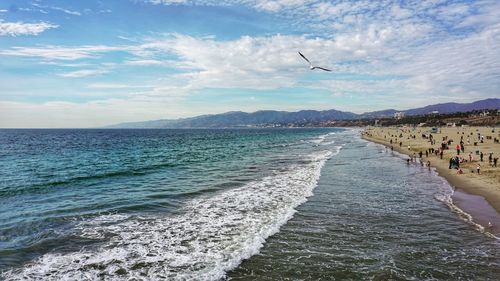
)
(304, 57)
(321, 68)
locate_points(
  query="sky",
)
(69, 63)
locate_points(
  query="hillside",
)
(284, 118)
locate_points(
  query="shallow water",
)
(373, 217)
(194, 204)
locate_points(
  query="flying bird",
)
(310, 64)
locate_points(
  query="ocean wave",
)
(322, 138)
(446, 197)
(45, 187)
(209, 237)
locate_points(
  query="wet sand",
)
(476, 194)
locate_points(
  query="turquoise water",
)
(252, 204)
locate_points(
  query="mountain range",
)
(266, 117)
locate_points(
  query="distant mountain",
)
(378, 114)
(452, 107)
(244, 119)
(269, 117)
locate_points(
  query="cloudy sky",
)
(92, 63)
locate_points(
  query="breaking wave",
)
(207, 238)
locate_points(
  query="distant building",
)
(435, 112)
(399, 115)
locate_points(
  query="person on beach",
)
(409, 147)
(495, 160)
(429, 165)
(458, 149)
(426, 153)
(470, 156)
(420, 154)
(478, 168)
(481, 156)
(392, 148)
(490, 158)
(441, 154)
(450, 163)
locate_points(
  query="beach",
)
(483, 189)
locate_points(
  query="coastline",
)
(479, 199)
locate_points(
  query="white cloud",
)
(277, 5)
(22, 28)
(168, 2)
(110, 86)
(148, 62)
(55, 8)
(486, 14)
(59, 52)
(66, 11)
(83, 73)
(59, 114)
(399, 12)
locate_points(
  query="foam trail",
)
(211, 235)
(446, 197)
(321, 139)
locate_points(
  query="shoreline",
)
(482, 203)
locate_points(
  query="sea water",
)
(238, 204)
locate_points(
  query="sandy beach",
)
(464, 178)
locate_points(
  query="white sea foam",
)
(445, 195)
(209, 237)
(328, 142)
(322, 138)
(318, 139)
(447, 198)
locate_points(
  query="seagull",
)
(310, 64)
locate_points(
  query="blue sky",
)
(93, 63)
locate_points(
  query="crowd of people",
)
(472, 159)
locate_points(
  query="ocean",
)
(227, 204)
